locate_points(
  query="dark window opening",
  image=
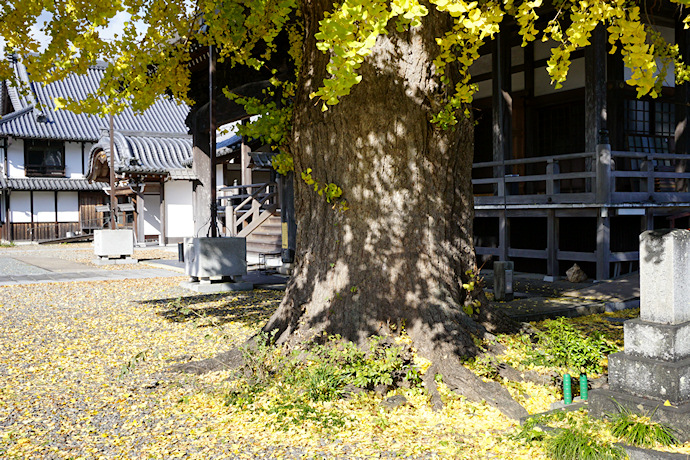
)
(649, 126)
(44, 158)
(560, 129)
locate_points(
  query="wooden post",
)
(201, 166)
(162, 238)
(603, 244)
(551, 246)
(503, 235)
(113, 198)
(502, 102)
(141, 218)
(57, 225)
(603, 170)
(212, 142)
(595, 88)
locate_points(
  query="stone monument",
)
(652, 375)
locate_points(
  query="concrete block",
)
(215, 257)
(666, 342)
(602, 402)
(664, 275)
(503, 280)
(113, 243)
(650, 378)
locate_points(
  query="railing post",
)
(603, 170)
(553, 187)
(648, 168)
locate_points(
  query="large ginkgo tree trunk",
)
(398, 257)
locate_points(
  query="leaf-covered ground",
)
(83, 374)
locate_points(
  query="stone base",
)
(604, 402)
(216, 287)
(667, 342)
(652, 378)
(111, 261)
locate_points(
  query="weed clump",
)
(297, 384)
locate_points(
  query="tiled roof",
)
(50, 183)
(145, 153)
(29, 122)
(182, 174)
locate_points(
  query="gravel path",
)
(10, 266)
(82, 371)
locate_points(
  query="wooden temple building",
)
(573, 175)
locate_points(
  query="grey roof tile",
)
(164, 115)
(141, 152)
(51, 183)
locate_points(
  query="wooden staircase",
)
(252, 211)
(266, 239)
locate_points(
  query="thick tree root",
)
(229, 360)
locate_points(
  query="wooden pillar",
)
(140, 218)
(244, 164)
(503, 235)
(162, 238)
(502, 101)
(603, 244)
(595, 88)
(682, 94)
(31, 206)
(530, 121)
(57, 225)
(648, 220)
(615, 103)
(551, 246)
(202, 185)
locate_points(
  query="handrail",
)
(521, 161)
(261, 204)
(599, 178)
(654, 156)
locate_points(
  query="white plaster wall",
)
(219, 176)
(152, 215)
(20, 207)
(15, 158)
(178, 209)
(44, 206)
(73, 160)
(68, 206)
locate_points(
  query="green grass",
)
(640, 430)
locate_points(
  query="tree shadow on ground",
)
(251, 308)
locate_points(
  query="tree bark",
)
(398, 257)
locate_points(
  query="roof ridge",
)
(17, 113)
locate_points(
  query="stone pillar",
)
(653, 372)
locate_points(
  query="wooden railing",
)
(246, 207)
(601, 177)
(539, 180)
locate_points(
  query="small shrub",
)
(574, 443)
(564, 346)
(530, 431)
(640, 430)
